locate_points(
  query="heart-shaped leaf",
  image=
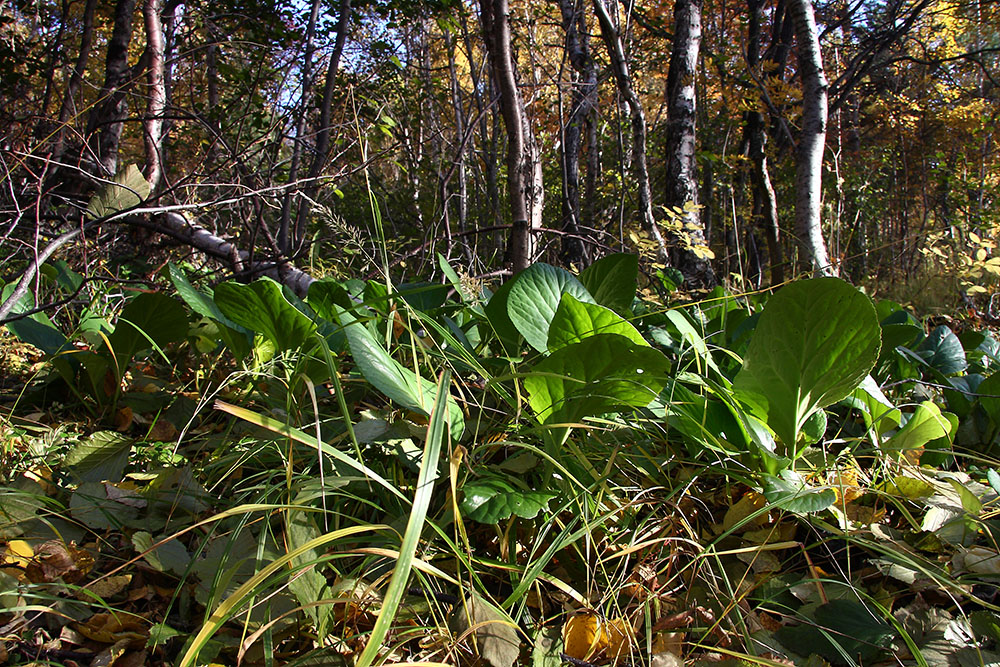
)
(534, 298)
(790, 493)
(575, 320)
(815, 342)
(612, 280)
(261, 307)
(127, 189)
(926, 424)
(400, 384)
(599, 374)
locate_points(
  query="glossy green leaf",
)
(575, 320)
(599, 374)
(993, 477)
(877, 410)
(237, 338)
(150, 320)
(400, 384)
(496, 312)
(261, 307)
(534, 298)
(943, 351)
(790, 493)
(493, 499)
(612, 280)
(926, 424)
(814, 344)
(691, 336)
(989, 396)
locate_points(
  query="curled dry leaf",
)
(57, 560)
(124, 629)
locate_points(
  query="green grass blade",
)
(436, 434)
(230, 605)
(306, 439)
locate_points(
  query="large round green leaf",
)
(575, 320)
(261, 307)
(599, 374)
(815, 342)
(534, 298)
(612, 280)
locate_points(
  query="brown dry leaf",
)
(865, 515)
(132, 659)
(123, 419)
(110, 655)
(42, 475)
(106, 587)
(783, 532)
(582, 636)
(162, 431)
(747, 506)
(668, 642)
(54, 560)
(844, 482)
(114, 629)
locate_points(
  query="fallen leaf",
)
(582, 636)
(115, 628)
(18, 554)
(104, 588)
(496, 640)
(739, 514)
(162, 431)
(123, 419)
(56, 560)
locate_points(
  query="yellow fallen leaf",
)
(582, 636)
(616, 635)
(18, 554)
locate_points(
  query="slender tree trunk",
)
(286, 244)
(809, 158)
(325, 115)
(582, 102)
(55, 49)
(457, 166)
(524, 167)
(156, 94)
(765, 202)
(67, 111)
(212, 112)
(108, 116)
(619, 66)
(688, 250)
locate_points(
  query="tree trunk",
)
(619, 66)
(67, 111)
(765, 202)
(325, 114)
(286, 244)
(156, 94)
(108, 116)
(687, 252)
(583, 101)
(524, 167)
(809, 154)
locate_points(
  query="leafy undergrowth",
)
(558, 472)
